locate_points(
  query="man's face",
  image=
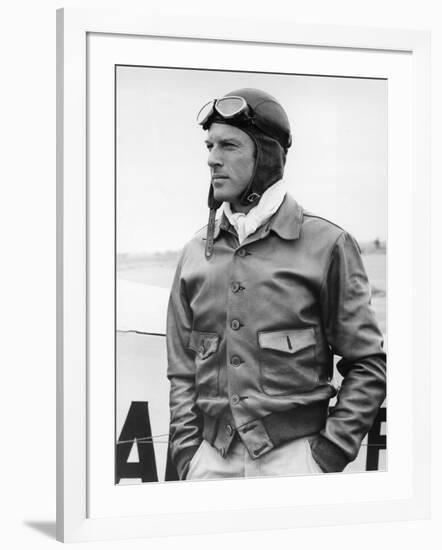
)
(231, 161)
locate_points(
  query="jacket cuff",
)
(183, 460)
(328, 455)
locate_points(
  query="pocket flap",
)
(287, 341)
(204, 343)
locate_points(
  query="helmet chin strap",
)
(213, 206)
(210, 233)
(253, 197)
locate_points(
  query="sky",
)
(336, 167)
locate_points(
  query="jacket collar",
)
(286, 222)
(221, 223)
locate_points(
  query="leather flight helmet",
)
(267, 124)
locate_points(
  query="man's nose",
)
(214, 158)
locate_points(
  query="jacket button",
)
(235, 324)
(242, 252)
(222, 452)
(235, 361)
(234, 399)
(235, 287)
(229, 429)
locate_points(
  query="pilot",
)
(263, 299)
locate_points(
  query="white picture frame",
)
(87, 508)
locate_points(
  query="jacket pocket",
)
(288, 361)
(205, 345)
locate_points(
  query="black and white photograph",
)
(250, 273)
(220, 226)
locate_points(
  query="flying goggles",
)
(229, 107)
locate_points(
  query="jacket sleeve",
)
(353, 334)
(185, 418)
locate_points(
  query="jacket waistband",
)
(263, 434)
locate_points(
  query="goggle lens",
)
(205, 112)
(229, 107)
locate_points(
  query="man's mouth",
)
(219, 177)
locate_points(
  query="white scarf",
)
(246, 224)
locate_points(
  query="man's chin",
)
(221, 197)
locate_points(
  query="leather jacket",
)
(251, 336)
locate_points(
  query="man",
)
(261, 302)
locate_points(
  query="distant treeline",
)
(374, 246)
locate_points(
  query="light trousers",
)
(291, 459)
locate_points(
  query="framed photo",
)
(133, 182)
